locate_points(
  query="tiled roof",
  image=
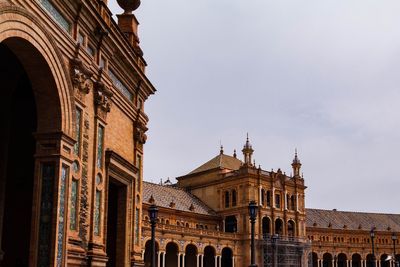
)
(220, 161)
(165, 194)
(352, 220)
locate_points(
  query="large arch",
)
(191, 255)
(35, 74)
(370, 260)
(171, 255)
(266, 226)
(209, 257)
(291, 228)
(227, 257)
(342, 260)
(356, 260)
(314, 260)
(279, 226)
(147, 254)
(327, 260)
(19, 29)
(19, 122)
(384, 262)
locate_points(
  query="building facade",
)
(73, 88)
(204, 221)
(218, 233)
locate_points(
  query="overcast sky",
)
(322, 76)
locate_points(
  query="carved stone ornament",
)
(102, 98)
(81, 77)
(140, 132)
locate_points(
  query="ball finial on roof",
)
(129, 5)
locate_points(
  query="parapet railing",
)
(188, 230)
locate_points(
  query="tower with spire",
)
(296, 165)
(247, 152)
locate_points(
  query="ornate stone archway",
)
(31, 47)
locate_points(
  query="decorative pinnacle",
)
(234, 153)
(296, 159)
(221, 151)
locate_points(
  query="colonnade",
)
(199, 260)
(349, 263)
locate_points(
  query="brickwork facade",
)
(74, 88)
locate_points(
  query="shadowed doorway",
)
(17, 149)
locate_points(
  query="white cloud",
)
(318, 75)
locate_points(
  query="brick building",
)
(73, 127)
(204, 221)
(71, 159)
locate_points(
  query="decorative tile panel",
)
(61, 216)
(120, 86)
(46, 208)
(56, 15)
(77, 146)
(137, 226)
(74, 205)
(97, 214)
(100, 141)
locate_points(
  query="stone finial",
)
(234, 153)
(129, 5)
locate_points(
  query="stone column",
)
(219, 261)
(163, 259)
(215, 261)
(233, 261)
(158, 258)
(197, 260)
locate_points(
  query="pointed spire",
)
(234, 153)
(296, 158)
(247, 152)
(296, 165)
(221, 151)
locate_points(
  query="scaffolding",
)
(285, 251)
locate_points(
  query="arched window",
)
(278, 201)
(278, 227)
(266, 226)
(287, 202)
(293, 203)
(291, 228)
(262, 197)
(233, 198)
(227, 199)
(269, 198)
(230, 224)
